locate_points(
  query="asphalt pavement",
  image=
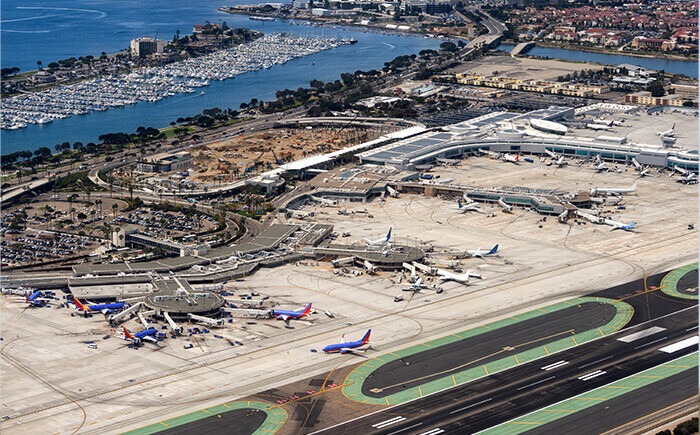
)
(628, 407)
(499, 343)
(489, 401)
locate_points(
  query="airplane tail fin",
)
(127, 334)
(79, 305)
(631, 226)
(307, 310)
(365, 339)
(388, 235)
(459, 203)
(517, 157)
(493, 250)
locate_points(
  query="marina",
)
(154, 84)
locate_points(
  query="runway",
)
(501, 397)
(631, 406)
(448, 359)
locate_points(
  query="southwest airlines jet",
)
(345, 347)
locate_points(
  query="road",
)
(501, 397)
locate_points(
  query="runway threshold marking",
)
(555, 365)
(389, 422)
(593, 397)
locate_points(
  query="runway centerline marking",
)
(470, 406)
(651, 342)
(595, 362)
(535, 383)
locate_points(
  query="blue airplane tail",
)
(388, 235)
(493, 250)
(459, 203)
(631, 226)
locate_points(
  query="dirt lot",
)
(228, 159)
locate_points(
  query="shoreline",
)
(411, 32)
(585, 49)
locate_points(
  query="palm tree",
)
(98, 202)
(38, 65)
(115, 207)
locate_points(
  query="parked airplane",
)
(447, 162)
(138, 338)
(94, 308)
(598, 126)
(608, 122)
(416, 286)
(36, 299)
(470, 206)
(345, 347)
(668, 133)
(482, 252)
(619, 225)
(511, 158)
(642, 171)
(491, 154)
(462, 278)
(613, 190)
(689, 178)
(600, 167)
(371, 268)
(379, 242)
(292, 314)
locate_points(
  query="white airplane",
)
(689, 178)
(470, 206)
(510, 158)
(380, 242)
(613, 190)
(668, 133)
(619, 225)
(462, 278)
(482, 252)
(491, 154)
(598, 126)
(371, 268)
(600, 167)
(608, 122)
(561, 162)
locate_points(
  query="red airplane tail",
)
(307, 310)
(127, 334)
(79, 305)
(365, 339)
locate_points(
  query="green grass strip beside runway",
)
(274, 420)
(669, 284)
(593, 397)
(357, 377)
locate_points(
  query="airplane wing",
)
(283, 317)
(150, 338)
